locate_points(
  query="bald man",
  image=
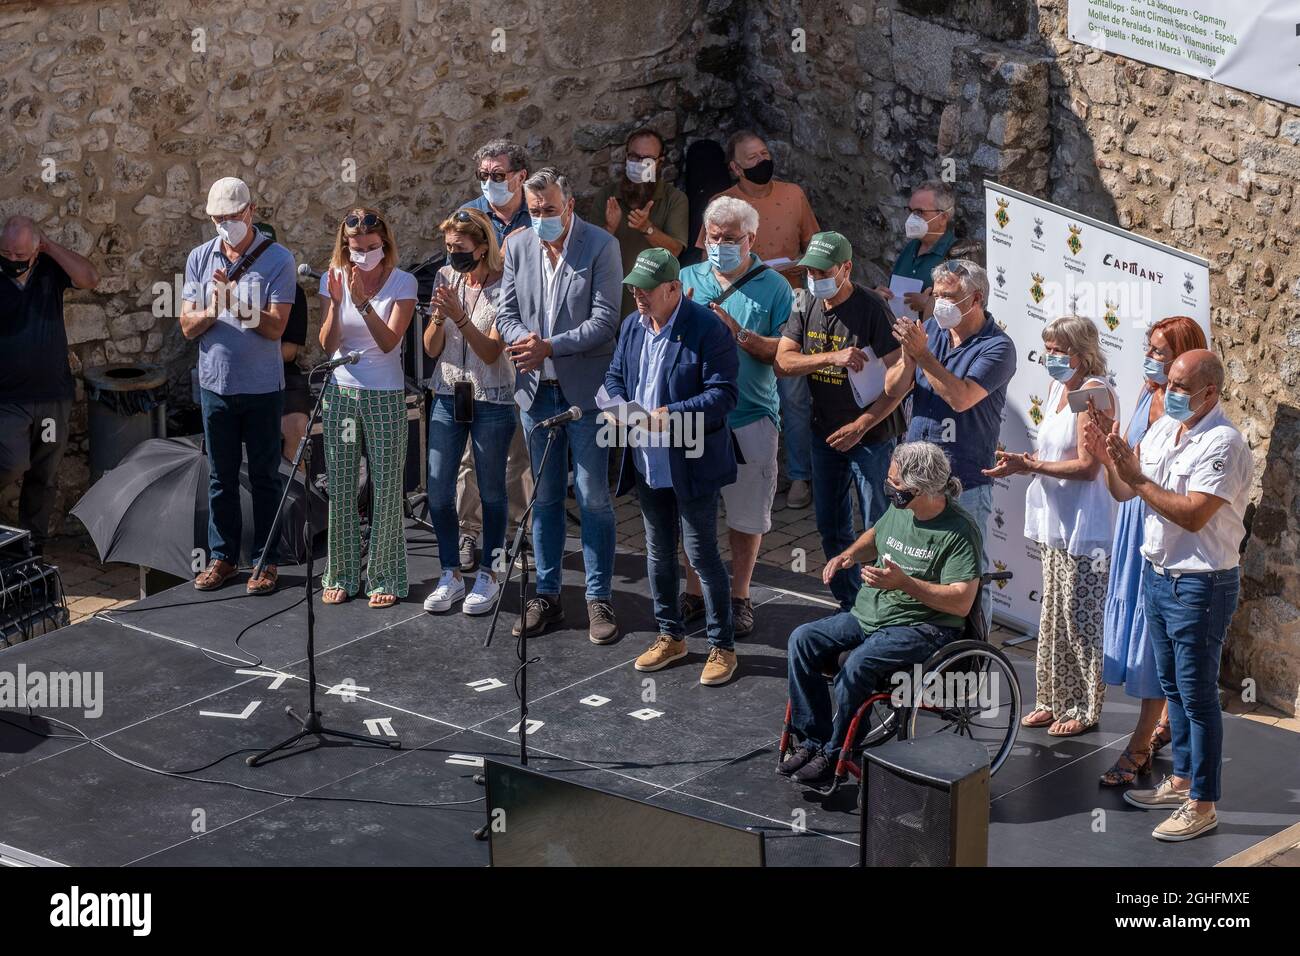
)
(1193, 471)
(36, 387)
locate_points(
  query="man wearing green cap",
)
(843, 343)
(678, 361)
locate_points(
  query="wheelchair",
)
(979, 698)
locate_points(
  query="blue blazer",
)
(699, 376)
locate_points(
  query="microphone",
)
(307, 272)
(555, 421)
(351, 358)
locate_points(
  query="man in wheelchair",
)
(920, 568)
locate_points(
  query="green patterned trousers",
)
(377, 416)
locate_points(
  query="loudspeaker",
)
(925, 802)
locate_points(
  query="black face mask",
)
(13, 268)
(462, 261)
(760, 174)
(900, 499)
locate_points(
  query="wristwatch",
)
(742, 335)
(648, 229)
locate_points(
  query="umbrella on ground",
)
(152, 509)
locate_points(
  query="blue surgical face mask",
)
(548, 228)
(1058, 366)
(498, 194)
(1178, 405)
(823, 288)
(1155, 371)
(724, 256)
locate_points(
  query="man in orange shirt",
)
(785, 224)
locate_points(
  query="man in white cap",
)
(239, 289)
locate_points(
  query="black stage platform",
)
(427, 679)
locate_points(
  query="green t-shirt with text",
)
(943, 550)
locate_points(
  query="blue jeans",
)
(1187, 619)
(663, 511)
(815, 646)
(796, 426)
(491, 432)
(591, 480)
(231, 423)
(978, 503)
(863, 469)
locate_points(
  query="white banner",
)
(1248, 44)
(1045, 262)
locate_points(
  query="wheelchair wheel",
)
(972, 690)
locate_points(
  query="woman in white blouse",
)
(473, 385)
(1070, 514)
(367, 303)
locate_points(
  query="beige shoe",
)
(1185, 824)
(663, 652)
(1162, 796)
(719, 668)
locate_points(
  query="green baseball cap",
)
(826, 250)
(652, 269)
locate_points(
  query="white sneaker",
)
(483, 597)
(450, 589)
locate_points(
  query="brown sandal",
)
(264, 583)
(1161, 737)
(1028, 720)
(1118, 776)
(216, 574)
(380, 599)
(339, 596)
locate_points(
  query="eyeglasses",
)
(638, 158)
(922, 212)
(369, 220)
(496, 175)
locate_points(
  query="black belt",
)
(555, 382)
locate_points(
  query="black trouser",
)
(33, 437)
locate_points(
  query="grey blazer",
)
(586, 324)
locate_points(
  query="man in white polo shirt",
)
(1193, 471)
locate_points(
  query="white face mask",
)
(365, 261)
(916, 227)
(641, 171)
(232, 231)
(948, 313)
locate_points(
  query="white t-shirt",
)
(377, 369)
(1068, 513)
(1212, 458)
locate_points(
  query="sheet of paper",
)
(622, 413)
(869, 383)
(901, 286)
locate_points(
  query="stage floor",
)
(179, 694)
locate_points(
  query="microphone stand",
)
(311, 725)
(521, 643)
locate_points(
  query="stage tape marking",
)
(594, 700)
(533, 727)
(277, 677)
(645, 713)
(487, 683)
(465, 760)
(240, 716)
(380, 727)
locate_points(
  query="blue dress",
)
(1128, 656)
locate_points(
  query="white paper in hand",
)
(901, 286)
(869, 383)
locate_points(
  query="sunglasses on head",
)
(369, 221)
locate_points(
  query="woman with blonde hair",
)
(367, 304)
(473, 385)
(1069, 512)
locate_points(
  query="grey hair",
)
(923, 466)
(545, 178)
(970, 274)
(502, 147)
(1078, 336)
(945, 200)
(728, 210)
(16, 226)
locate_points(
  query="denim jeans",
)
(815, 646)
(978, 503)
(796, 426)
(231, 423)
(1187, 620)
(834, 473)
(591, 478)
(663, 511)
(490, 433)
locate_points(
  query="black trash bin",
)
(126, 405)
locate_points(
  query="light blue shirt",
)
(653, 461)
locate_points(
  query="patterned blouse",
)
(458, 362)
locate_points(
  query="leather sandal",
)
(1161, 737)
(215, 575)
(265, 582)
(1029, 721)
(1083, 728)
(1118, 776)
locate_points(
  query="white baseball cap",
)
(228, 196)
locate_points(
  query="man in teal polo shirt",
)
(929, 233)
(754, 302)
